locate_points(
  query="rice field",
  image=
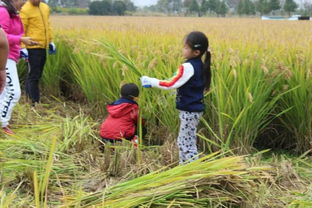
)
(255, 136)
(261, 72)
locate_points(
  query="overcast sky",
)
(144, 2)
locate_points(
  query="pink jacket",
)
(13, 27)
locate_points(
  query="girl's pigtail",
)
(207, 69)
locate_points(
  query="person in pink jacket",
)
(4, 50)
(13, 27)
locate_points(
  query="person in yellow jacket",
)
(35, 17)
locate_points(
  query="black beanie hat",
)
(129, 91)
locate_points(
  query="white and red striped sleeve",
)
(184, 73)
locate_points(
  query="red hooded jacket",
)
(121, 121)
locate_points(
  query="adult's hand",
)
(28, 41)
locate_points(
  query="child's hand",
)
(146, 81)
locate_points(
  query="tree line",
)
(190, 7)
(97, 7)
(109, 7)
(222, 7)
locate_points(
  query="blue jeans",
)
(37, 59)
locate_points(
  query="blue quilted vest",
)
(190, 96)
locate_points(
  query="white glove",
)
(24, 54)
(52, 48)
(148, 82)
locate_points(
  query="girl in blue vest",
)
(191, 80)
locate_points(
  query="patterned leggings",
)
(187, 136)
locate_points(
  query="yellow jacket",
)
(36, 23)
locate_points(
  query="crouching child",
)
(122, 119)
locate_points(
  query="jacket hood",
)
(121, 107)
(3, 4)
